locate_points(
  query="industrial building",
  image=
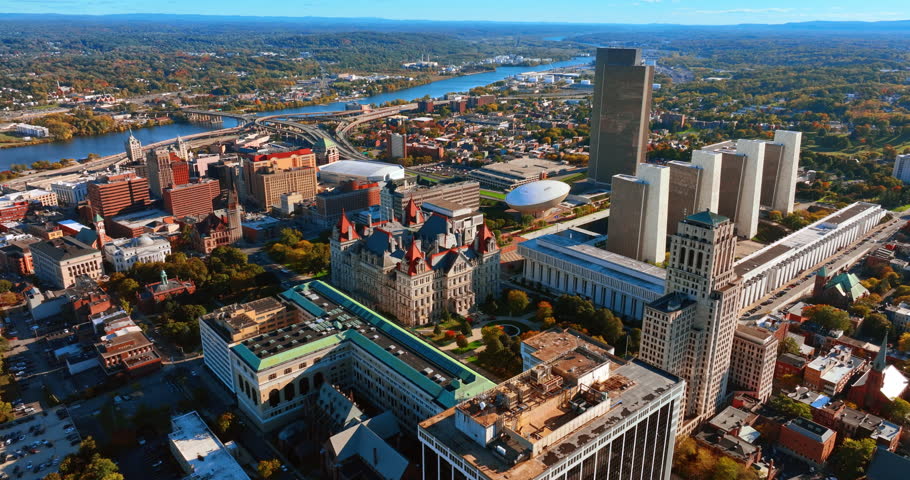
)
(514, 173)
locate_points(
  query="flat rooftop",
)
(141, 218)
(610, 264)
(199, 447)
(802, 237)
(521, 168)
(332, 317)
(553, 343)
(631, 386)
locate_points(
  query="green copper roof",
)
(465, 382)
(259, 364)
(324, 142)
(707, 218)
(848, 285)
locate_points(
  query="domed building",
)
(538, 197)
(122, 253)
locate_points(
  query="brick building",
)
(112, 195)
(807, 440)
(196, 199)
(350, 196)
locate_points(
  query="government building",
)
(442, 260)
(274, 353)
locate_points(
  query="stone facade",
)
(418, 268)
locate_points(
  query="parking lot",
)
(33, 446)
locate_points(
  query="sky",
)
(700, 12)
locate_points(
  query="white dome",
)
(538, 196)
(146, 241)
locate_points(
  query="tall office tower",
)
(639, 214)
(622, 105)
(779, 173)
(689, 331)
(161, 176)
(266, 177)
(752, 361)
(133, 148)
(742, 165)
(902, 168)
(398, 146)
(183, 149)
(235, 217)
(694, 187)
(112, 195)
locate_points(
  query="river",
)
(109, 144)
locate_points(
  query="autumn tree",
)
(517, 300)
(849, 460)
(268, 468)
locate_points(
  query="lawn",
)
(902, 208)
(575, 178)
(471, 346)
(492, 194)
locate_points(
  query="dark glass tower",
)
(622, 105)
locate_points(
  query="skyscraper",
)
(694, 187)
(622, 105)
(133, 148)
(689, 331)
(161, 176)
(638, 228)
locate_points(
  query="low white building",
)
(122, 253)
(71, 192)
(336, 173)
(780, 262)
(199, 452)
(565, 265)
(46, 198)
(32, 130)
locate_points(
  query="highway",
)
(44, 178)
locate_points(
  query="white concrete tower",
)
(709, 182)
(785, 190)
(750, 190)
(654, 235)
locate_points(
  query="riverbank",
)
(112, 143)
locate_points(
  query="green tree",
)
(903, 344)
(87, 464)
(849, 460)
(465, 328)
(5, 285)
(875, 325)
(788, 406)
(517, 301)
(437, 329)
(829, 317)
(605, 324)
(788, 345)
(268, 468)
(898, 410)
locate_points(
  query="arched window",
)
(274, 397)
(289, 392)
(318, 380)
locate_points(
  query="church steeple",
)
(881, 359)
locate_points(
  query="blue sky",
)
(584, 11)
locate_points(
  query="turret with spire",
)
(133, 148)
